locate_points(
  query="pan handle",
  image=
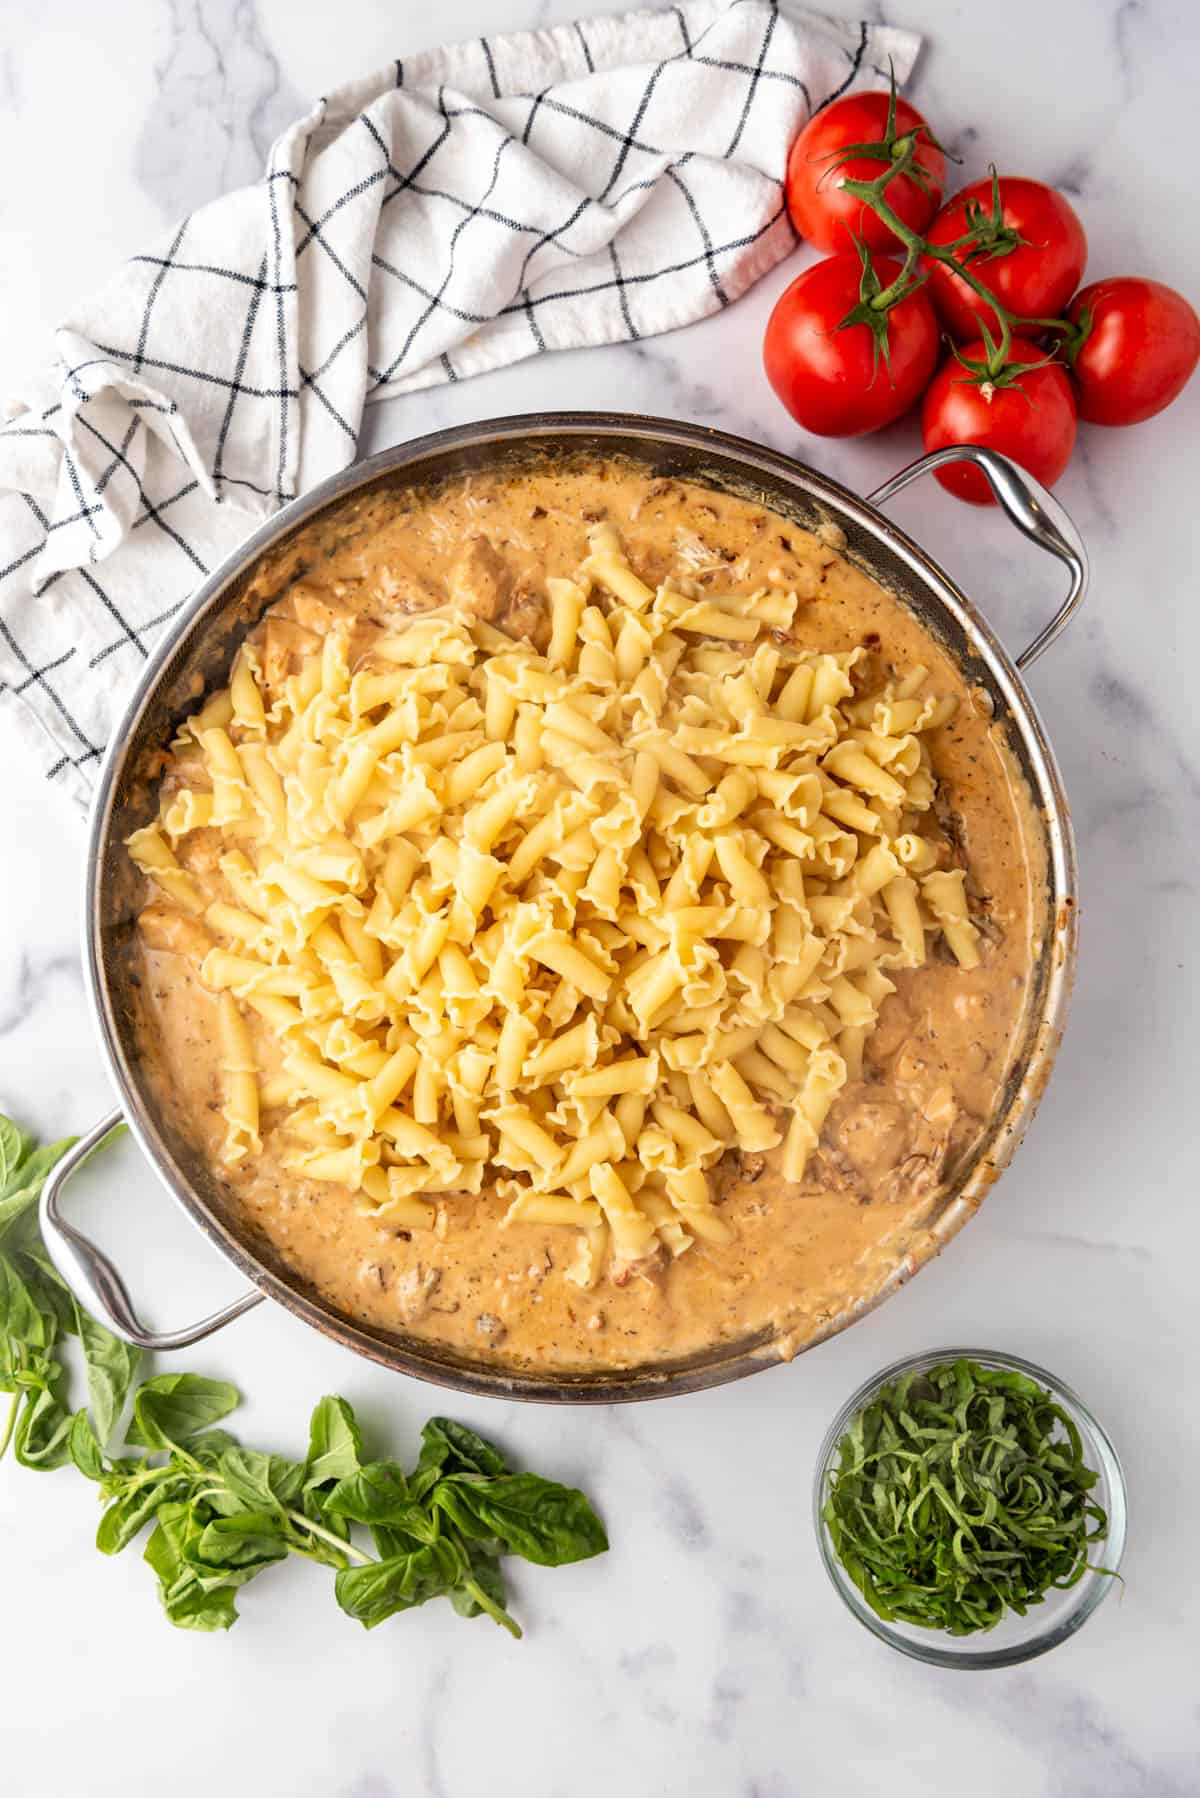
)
(1029, 507)
(90, 1274)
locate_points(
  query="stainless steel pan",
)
(196, 657)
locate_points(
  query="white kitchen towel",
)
(458, 211)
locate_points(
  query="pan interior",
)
(197, 659)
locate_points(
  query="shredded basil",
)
(961, 1494)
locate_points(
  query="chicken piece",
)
(480, 579)
(872, 1134)
(650, 1269)
(405, 590)
(414, 1289)
(869, 674)
(315, 610)
(893, 1029)
(953, 830)
(526, 615)
(165, 929)
(284, 639)
(737, 1167)
(800, 578)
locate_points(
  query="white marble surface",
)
(706, 1652)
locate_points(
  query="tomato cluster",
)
(855, 341)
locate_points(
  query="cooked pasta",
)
(577, 922)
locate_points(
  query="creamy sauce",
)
(935, 1067)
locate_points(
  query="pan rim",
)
(723, 1362)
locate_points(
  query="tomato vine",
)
(987, 237)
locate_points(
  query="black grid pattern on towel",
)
(162, 433)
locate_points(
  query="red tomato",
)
(1034, 281)
(1140, 351)
(1032, 421)
(829, 378)
(827, 216)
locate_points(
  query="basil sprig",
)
(37, 1313)
(961, 1494)
(219, 1513)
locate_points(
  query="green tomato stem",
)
(888, 296)
(874, 195)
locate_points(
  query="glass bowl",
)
(1014, 1638)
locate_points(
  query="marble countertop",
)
(707, 1652)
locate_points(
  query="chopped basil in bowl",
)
(970, 1509)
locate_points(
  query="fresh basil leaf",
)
(23, 1188)
(532, 1517)
(190, 1600)
(377, 1591)
(195, 1608)
(212, 1579)
(16, 1203)
(464, 1603)
(85, 1450)
(128, 1515)
(461, 1450)
(122, 1472)
(377, 1493)
(210, 1446)
(42, 1438)
(335, 1443)
(15, 1145)
(312, 1504)
(53, 1297)
(448, 1447)
(10, 1363)
(36, 1166)
(164, 1551)
(260, 1482)
(390, 1540)
(173, 1406)
(250, 1540)
(20, 1232)
(285, 1478)
(111, 1369)
(378, 1496)
(20, 1315)
(176, 1552)
(488, 1576)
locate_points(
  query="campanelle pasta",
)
(574, 923)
